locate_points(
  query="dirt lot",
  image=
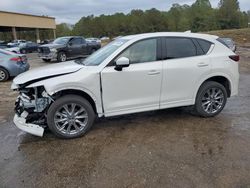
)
(168, 148)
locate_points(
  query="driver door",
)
(75, 47)
(137, 87)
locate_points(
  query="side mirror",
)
(121, 62)
(70, 44)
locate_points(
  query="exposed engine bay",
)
(33, 102)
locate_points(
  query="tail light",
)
(235, 57)
(16, 59)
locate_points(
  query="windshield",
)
(62, 40)
(99, 56)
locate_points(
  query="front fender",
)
(89, 85)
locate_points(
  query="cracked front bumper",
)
(20, 122)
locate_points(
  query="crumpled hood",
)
(47, 72)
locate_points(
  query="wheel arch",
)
(79, 93)
(223, 80)
(8, 72)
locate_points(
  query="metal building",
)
(10, 21)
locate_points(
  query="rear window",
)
(205, 45)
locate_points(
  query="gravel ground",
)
(167, 148)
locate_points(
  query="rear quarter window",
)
(222, 42)
(205, 45)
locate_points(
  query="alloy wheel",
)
(63, 57)
(212, 100)
(2, 75)
(71, 118)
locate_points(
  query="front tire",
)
(61, 57)
(4, 75)
(211, 99)
(70, 116)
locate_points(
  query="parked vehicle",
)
(13, 48)
(28, 47)
(11, 64)
(229, 43)
(3, 46)
(94, 40)
(46, 42)
(132, 74)
(65, 48)
(105, 38)
(16, 43)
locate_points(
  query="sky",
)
(70, 11)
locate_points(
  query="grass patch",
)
(240, 36)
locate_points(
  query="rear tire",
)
(4, 75)
(70, 116)
(211, 99)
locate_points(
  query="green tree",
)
(229, 14)
(202, 16)
(63, 30)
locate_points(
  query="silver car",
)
(12, 64)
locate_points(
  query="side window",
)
(205, 45)
(76, 41)
(142, 51)
(180, 48)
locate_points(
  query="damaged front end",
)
(31, 108)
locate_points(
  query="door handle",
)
(153, 72)
(202, 64)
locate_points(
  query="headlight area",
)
(32, 104)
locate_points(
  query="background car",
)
(28, 47)
(65, 48)
(105, 38)
(14, 47)
(16, 42)
(229, 43)
(12, 64)
(3, 46)
(94, 40)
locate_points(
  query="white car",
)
(16, 42)
(132, 74)
(14, 49)
(93, 40)
(105, 38)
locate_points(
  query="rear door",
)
(184, 66)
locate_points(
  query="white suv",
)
(132, 74)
